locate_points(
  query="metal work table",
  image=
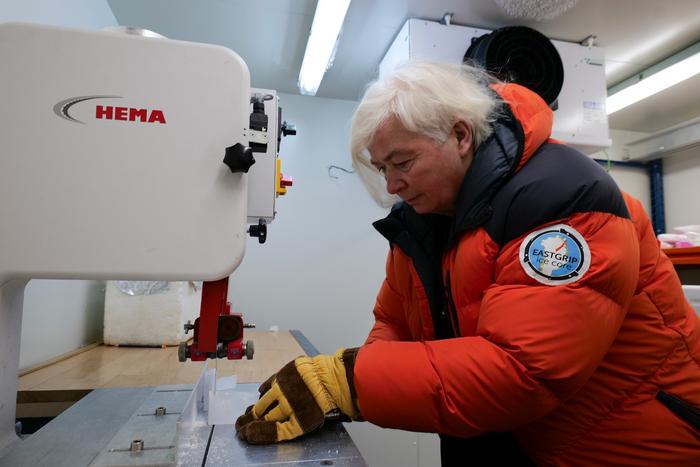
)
(98, 429)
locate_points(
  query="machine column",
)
(11, 298)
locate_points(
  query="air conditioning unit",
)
(580, 119)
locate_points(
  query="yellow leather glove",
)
(297, 399)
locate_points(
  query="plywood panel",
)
(106, 366)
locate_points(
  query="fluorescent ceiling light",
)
(323, 39)
(674, 74)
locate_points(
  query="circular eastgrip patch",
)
(555, 255)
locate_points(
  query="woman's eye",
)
(403, 165)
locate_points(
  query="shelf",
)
(684, 256)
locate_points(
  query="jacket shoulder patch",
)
(555, 255)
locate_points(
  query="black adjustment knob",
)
(239, 158)
(249, 350)
(230, 328)
(183, 352)
(259, 231)
(288, 129)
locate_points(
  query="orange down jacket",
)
(467, 340)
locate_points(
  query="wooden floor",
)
(107, 366)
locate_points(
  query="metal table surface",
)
(94, 431)
(80, 434)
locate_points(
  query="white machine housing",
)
(111, 150)
(580, 119)
(119, 199)
(262, 176)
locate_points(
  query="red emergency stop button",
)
(282, 181)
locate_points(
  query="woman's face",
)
(424, 173)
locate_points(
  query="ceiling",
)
(270, 35)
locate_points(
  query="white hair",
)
(428, 98)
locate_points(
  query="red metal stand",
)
(218, 333)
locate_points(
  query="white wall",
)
(633, 180)
(323, 262)
(59, 316)
(682, 188)
(87, 14)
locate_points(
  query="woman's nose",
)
(394, 184)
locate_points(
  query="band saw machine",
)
(129, 157)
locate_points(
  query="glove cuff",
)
(348, 357)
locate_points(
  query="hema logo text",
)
(109, 112)
(127, 113)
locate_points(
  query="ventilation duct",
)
(519, 54)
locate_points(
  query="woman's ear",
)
(463, 133)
